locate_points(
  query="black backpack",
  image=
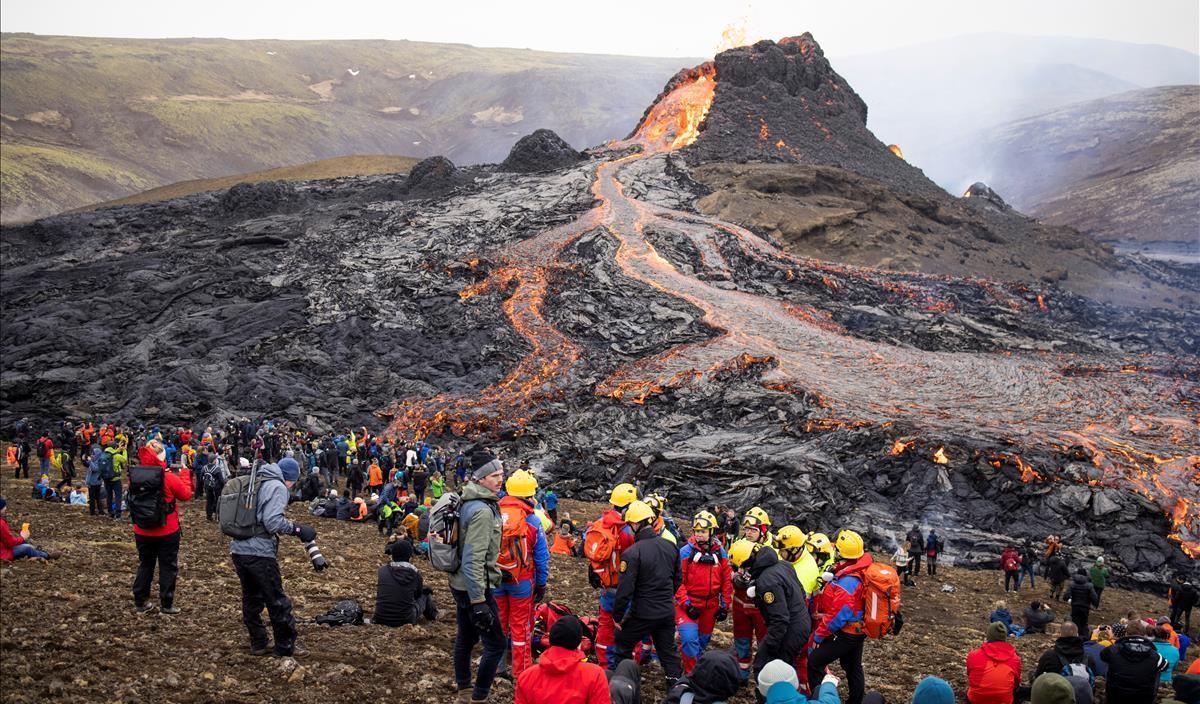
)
(148, 508)
(344, 613)
(105, 466)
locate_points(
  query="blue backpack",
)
(105, 466)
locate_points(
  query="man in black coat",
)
(917, 543)
(1057, 573)
(1083, 597)
(401, 596)
(782, 601)
(1134, 666)
(649, 577)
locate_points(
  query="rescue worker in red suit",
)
(524, 561)
(706, 592)
(748, 624)
(604, 573)
(838, 615)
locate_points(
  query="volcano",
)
(587, 319)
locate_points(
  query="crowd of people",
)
(798, 601)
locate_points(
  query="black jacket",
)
(781, 600)
(396, 594)
(649, 577)
(1067, 650)
(1056, 569)
(1082, 594)
(1133, 669)
(714, 679)
(310, 487)
(1036, 621)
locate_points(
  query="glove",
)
(827, 577)
(897, 623)
(481, 616)
(751, 591)
(830, 679)
(722, 614)
(593, 578)
(306, 533)
(691, 611)
(741, 581)
(539, 593)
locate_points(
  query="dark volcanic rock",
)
(982, 191)
(543, 150)
(251, 199)
(430, 176)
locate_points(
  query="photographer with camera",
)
(251, 511)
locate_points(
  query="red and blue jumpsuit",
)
(606, 632)
(749, 626)
(706, 586)
(514, 596)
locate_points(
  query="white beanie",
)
(777, 671)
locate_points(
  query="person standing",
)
(525, 560)
(216, 473)
(838, 608)
(916, 542)
(1057, 573)
(903, 559)
(1182, 598)
(1082, 596)
(706, 590)
(793, 547)
(257, 566)
(95, 485)
(1010, 563)
(156, 530)
(1099, 574)
(112, 483)
(1029, 556)
(649, 578)
(603, 542)
(472, 585)
(933, 548)
(749, 627)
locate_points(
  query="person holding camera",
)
(254, 558)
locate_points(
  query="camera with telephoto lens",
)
(314, 554)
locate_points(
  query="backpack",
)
(148, 508)
(445, 552)
(880, 594)
(237, 507)
(1081, 677)
(212, 474)
(105, 466)
(516, 554)
(344, 613)
(1009, 562)
(547, 614)
(600, 547)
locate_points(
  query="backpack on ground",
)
(600, 547)
(547, 614)
(1082, 679)
(105, 466)
(516, 553)
(344, 613)
(237, 507)
(880, 593)
(148, 508)
(445, 552)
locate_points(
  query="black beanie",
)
(401, 551)
(567, 632)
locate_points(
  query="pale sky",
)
(634, 27)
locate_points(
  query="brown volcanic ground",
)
(68, 632)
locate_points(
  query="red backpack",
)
(601, 546)
(547, 614)
(880, 594)
(1010, 562)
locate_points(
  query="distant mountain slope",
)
(925, 96)
(88, 119)
(1124, 168)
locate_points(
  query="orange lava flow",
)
(1133, 424)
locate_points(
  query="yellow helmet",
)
(638, 511)
(850, 545)
(819, 542)
(656, 501)
(741, 551)
(757, 517)
(622, 495)
(704, 521)
(791, 537)
(521, 484)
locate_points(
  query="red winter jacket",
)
(562, 676)
(8, 541)
(993, 673)
(706, 576)
(176, 487)
(838, 606)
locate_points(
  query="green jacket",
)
(479, 536)
(437, 487)
(1099, 576)
(119, 459)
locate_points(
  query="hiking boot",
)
(464, 696)
(172, 610)
(143, 608)
(53, 554)
(261, 652)
(298, 651)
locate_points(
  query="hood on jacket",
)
(763, 559)
(475, 490)
(783, 693)
(1002, 651)
(560, 660)
(1080, 579)
(1137, 648)
(1052, 688)
(625, 687)
(148, 458)
(1070, 647)
(611, 519)
(715, 677)
(269, 471)
(933, 690)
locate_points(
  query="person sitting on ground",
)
(715, 679)
(562, 674)
(778, 684)
(564, 540)
(78, 497)
(1038, 616)
(625, 684)
(344, 505)
(358, 512)
(994, 669)
(401, 596)
(931, 690)
(1052, 688)
(1001, 614)
(1069, 659)
(14, 547)
(1170, 653)
(330, 505)
(1134, 666)
(42, 489)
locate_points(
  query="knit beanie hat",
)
(933, 690)
(567, 632)
(776, 671)
(483, 464)
(1051, 688)
(290, 469)
(996, 631)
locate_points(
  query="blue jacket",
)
(785, 693)
(1171, 654)
(272, 500)
(541, 552)
(92, 478)
(550, 501)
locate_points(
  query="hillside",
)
(87, 120)
(334, 167)
(1125, 168)
(158, 654)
